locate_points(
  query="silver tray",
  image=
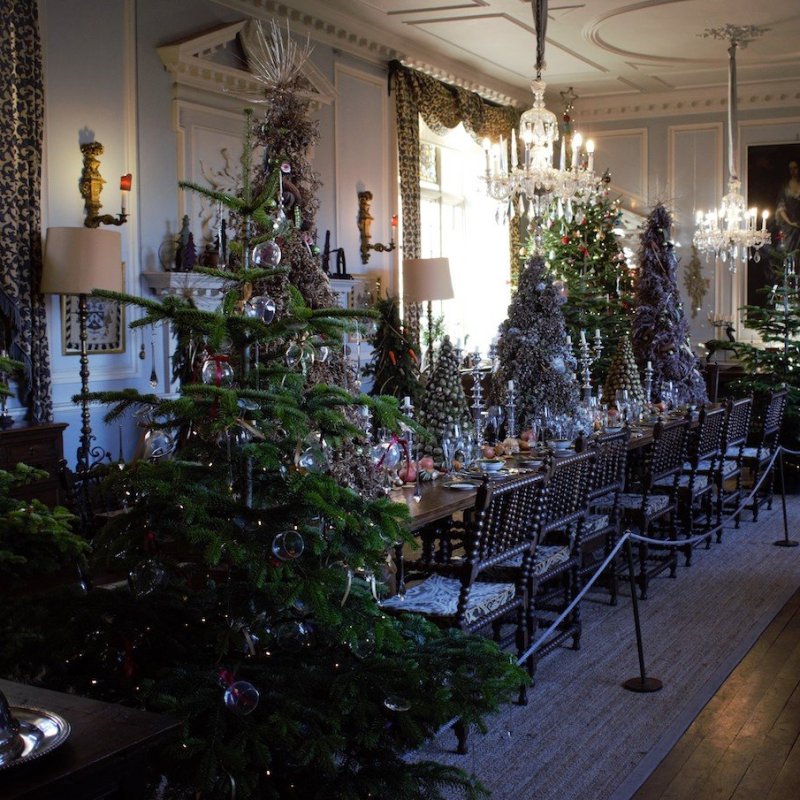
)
(41, 731)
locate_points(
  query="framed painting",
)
(773, 184)
(105, 326)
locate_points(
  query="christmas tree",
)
(587, 256)
(660, 330)
(623, 374)
(532, 349)
(777, 362)
(444, 404)
(250, 612)
(395, 359)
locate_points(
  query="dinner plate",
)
(464, 486)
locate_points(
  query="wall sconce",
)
(364, 223)
(91, 184)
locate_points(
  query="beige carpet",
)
(584, 737)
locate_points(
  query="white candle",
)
(563, 157)
(513, 149)
(649, 366)
(406, 402)
(577, 141)
(569, 341)
(597, 333)
(511, 386)
(764, 215)
(486, 148)
(590, 151)
(583, 336)
(502, 155)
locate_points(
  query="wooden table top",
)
(102, 736)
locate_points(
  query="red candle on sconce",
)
(124, 187)
(394, 221)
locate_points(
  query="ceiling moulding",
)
(352, 36)
(751, 97)
(196, 62)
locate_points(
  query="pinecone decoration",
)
(443, 403)
(623, 374)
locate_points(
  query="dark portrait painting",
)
(773, 183)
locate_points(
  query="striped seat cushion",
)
(595, 523)
(752, 452)
(548, 556)
(655, 503)
(438, 596)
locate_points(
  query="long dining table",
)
(437, 501)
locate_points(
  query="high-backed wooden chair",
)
(696, 482)
(601, 527)
(461, 591)
(650, 500)
(554, 578)
(762, 444)
(728, 475)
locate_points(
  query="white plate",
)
(464, 486)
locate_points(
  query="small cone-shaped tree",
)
(660, 331)
(623, 374)
(395, 359)
(533, 350)
(444, 402)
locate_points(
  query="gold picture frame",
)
(105, 326)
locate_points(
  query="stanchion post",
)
(641, 684)
(786, 541)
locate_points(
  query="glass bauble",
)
(288, 545)
(217, 371)
(241, 697)
(266, 254)
(146, 577)
(158, 444)
(261, 308)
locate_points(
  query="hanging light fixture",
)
(531, 184)
(731, 233)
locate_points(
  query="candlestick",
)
(477, 398)
(511, 411)
(648, 382)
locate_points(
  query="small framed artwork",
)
(105, 326)
(773, 183)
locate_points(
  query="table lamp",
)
(426, 280)
(77, 261)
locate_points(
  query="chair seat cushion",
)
(549, 556)
(700, 482)
(594, 523)
(633, 502)
(438, 596)
(730, 466)
(753, 453)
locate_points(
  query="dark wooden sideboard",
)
(103, 759)
(38, 446)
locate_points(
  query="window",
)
(459, 221)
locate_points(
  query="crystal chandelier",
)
(532, 185)
(731, 233)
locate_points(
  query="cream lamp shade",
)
(79, 260)
(426, 279)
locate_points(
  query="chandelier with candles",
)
(531, 184)
(731, 233)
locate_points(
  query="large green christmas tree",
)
(250, 552)
(587, 256)
(532, 349)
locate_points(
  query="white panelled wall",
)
(105, 80)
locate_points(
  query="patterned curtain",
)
(21, 123)
(442, 107)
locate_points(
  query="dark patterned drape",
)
(21, 124)
(441, 106)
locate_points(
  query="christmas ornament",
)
(266, 255)
(146, 577)
(395, 703)
(158, 444)
(241, 697)
(313, 456)
(288, 545)
(217, 370)
(261, 308)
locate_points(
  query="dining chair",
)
(762, 443)
(695, 483)
(461, 591)
(553, 580)
(728, 474)
(649, 502)
(601, 527)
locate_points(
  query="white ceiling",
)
(610, 51)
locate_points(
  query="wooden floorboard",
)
(745, 743)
